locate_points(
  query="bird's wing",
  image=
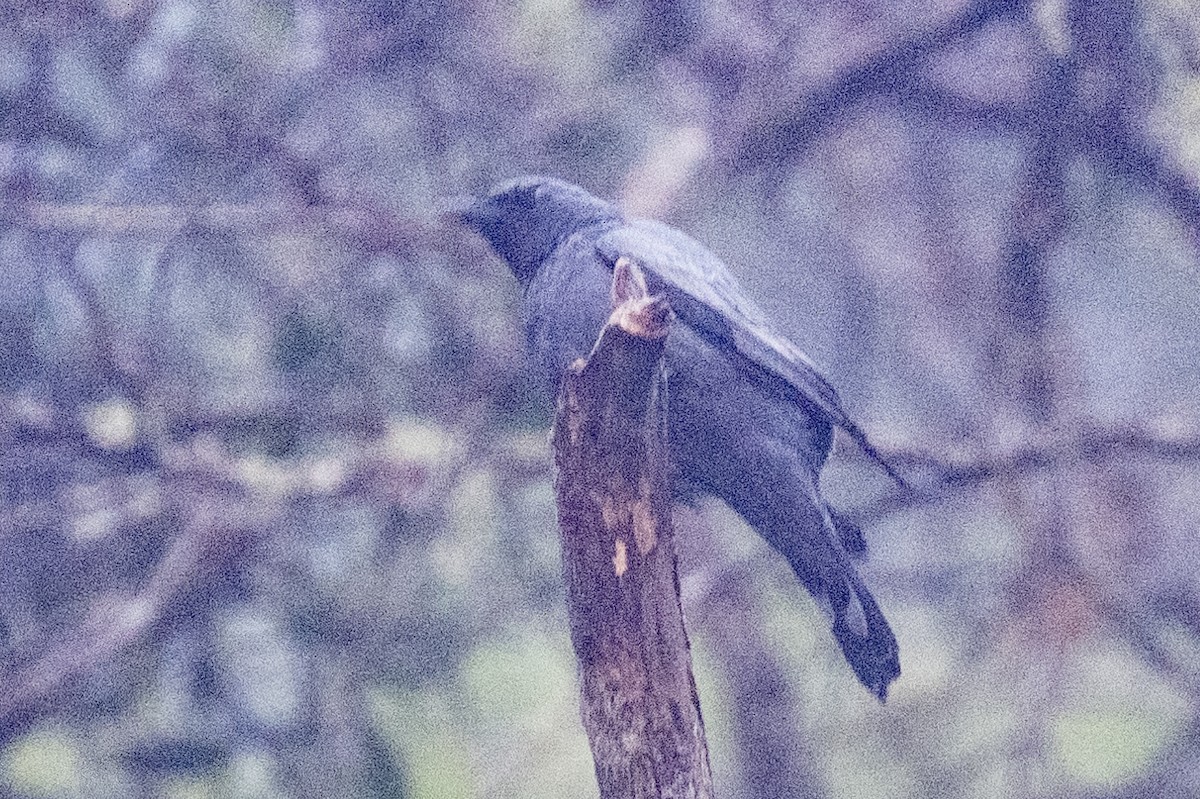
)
(706, 297)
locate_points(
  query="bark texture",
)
(639, 703)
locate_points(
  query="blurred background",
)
(276, 514)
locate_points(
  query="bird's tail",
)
(821, 546)
(866, 638)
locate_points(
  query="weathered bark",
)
(639, 703)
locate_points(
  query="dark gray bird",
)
(750, 419)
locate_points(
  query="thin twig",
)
(945, 474)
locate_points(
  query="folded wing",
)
(706, 297)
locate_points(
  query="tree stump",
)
(613, 488)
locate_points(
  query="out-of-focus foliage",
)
(276, 514)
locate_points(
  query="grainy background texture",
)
(276, 516)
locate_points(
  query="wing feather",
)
(706, 296)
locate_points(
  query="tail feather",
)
(850, 534)
(866, 640)
(821, 547)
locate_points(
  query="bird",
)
(750, 418)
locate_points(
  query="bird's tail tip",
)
(868, 643)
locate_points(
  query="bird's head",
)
(524, 219)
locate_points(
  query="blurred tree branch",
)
(103, 335)
(777, 759)
(1122, 151)
(114, 621)
(226, 501)
(795, 124)
(372, 228)
(1110, 133)
(947, 473)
